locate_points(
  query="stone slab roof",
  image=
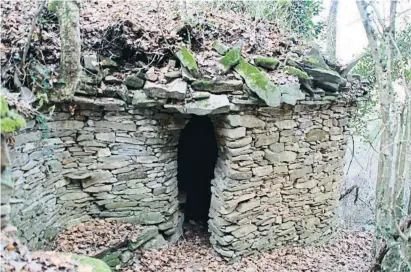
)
(147, 55)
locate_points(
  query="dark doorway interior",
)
(197, 156)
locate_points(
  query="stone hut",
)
(131, 145)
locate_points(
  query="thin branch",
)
(403, 227)
(349, 191)
(351, 64)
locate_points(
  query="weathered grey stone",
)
(301, 172)
(69, 124)
(248, 121)
(239, 143)
(263, 140)
(262, 170)
(105, 152)
(134, 82)
(307, 185)
(277, 147)
(155, 243)
(215, 104)
(116, 125)
(144, 218)
(234, 133)
(249, 205)
(91, 63)
(200, 95)
(287, 156)
(244, 230)
(74, 196)
(217, 86)
(291, 93)
(286, 124)
(316, 135)
(177, 90)
(98, 189)
(78, 175)
(112, 80)
(220, 48)
(172, 75)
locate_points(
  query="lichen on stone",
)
(204, 85)
(188, 61)
(98, 265)
(259, 83)
(220, 48)
(296, 72)
(268, 63)
(311, 60)
(231, 58)
(4, 106)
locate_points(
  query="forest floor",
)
(351, 251)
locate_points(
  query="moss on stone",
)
(4, 106)
(259, 83)
(203, 85)
(231, 58)
(296, 72)
(188, 61)
(220, 48)
(312, 60)
(268, 63)
(12, 122)
(98, 265)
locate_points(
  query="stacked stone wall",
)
(278, 180)
(96, 164)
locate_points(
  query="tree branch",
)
(349, 191)
(351, 64)
(33, 25)
(403, 227)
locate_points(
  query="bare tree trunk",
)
(332, 31)
(69, 15)
(391, 220)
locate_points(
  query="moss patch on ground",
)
(188, 61)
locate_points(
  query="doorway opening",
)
(197, 156)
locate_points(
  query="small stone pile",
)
(17, 257)
(117, 244)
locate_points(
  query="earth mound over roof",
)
(130, 46)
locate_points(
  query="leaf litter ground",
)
(351, 251)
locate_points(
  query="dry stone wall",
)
(114, 163)
(278, 180)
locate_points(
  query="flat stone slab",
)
(79, 175)
(100, 101)
(215, 104)
(176, 89)
(140, 99)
